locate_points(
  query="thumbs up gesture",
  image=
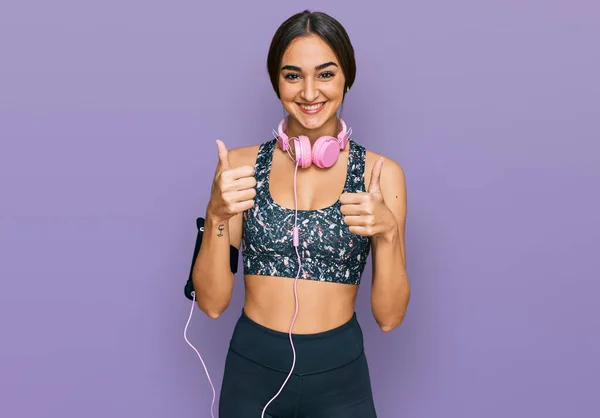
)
(233, 189)
(366, 213)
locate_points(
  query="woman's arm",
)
(380, 213)
(212, 276)
(390, 292)
(232, 193)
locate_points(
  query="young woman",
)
(306, 222)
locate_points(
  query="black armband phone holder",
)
(233, 258)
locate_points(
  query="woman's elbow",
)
(391, 324)
(213, 311)
(213, 303)
(392, 318)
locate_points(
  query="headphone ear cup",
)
(303, 151)
(325, 152)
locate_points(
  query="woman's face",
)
(311, 82)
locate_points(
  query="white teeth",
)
(312, 107)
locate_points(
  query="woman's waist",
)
(270, 301)
(315, 351)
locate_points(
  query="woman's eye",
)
(294, 76)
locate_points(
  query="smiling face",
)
(311, 87)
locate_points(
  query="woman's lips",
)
(311, 109)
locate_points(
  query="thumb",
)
(375, 184)
(223, 155)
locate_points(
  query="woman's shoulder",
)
(245, 155)
(392, 172)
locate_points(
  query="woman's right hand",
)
(233, 189)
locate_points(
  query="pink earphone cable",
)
(296, 243)
(212, 406)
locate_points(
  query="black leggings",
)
(330, 378)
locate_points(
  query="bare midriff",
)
(322, 306)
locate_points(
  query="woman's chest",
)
(321, 233)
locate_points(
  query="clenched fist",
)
(233, 189)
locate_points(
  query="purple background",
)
(108, 117)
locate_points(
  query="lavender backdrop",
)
(108, 116)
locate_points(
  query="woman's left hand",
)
(366, 213)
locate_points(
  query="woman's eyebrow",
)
(318, 67)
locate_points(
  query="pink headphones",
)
(325, 151)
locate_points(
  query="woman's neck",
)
(329, 128)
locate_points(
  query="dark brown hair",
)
(312, 23)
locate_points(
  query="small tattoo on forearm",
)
(221, 228)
